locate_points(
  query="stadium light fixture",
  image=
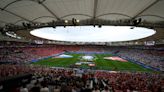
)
(137, 22)
(77, 20)
(53, 24)
(66, 21)
(99, 26)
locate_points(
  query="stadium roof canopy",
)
(42, 11)
(88, 12)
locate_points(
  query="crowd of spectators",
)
(26, 54)
(17, 56)
(146, 55)
(68, 80)
(128, 82)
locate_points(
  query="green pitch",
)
(101, 63)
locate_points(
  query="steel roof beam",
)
(149, 6)
(95, 9)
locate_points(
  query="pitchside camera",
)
(75, 21)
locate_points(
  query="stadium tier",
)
(89, 67)
(27, 54)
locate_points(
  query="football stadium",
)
(81, 46)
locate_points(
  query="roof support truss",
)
(146, 8)
(95, 9)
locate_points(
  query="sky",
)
(93, 34)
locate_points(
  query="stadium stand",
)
(66, 80)
(152, 57)
(81, 45)
(46, 79)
